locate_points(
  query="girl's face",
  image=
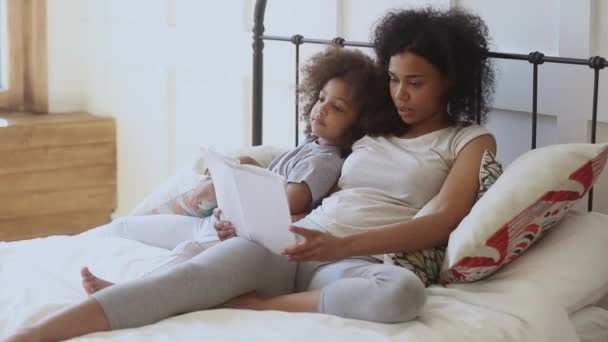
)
(418, 90)
(333, 114)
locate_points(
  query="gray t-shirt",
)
(316, 165)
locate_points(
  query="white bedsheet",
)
(591, 324)
(41, 276)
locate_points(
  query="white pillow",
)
(184, 181)
(532, 194)
(603, 303)
(569, 264)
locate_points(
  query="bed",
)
(33, 287)
(566, 301)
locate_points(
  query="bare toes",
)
(85, 273)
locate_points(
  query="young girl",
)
(336, 97)
(427, 148)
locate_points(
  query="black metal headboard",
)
(536, 58)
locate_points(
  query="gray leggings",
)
(356, 288)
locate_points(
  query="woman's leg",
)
(77, 320)
(296, 302)
(363, 289)
(165, 231)
(227, 270)
(351, 288)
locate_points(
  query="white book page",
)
(253, 199)
(222, 175)
(265, 207)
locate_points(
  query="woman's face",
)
(334, 113)
(417, 88)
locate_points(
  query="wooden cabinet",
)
(57, 173)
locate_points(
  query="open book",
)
(254, 199)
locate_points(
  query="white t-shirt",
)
(388, 179)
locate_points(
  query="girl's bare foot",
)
(91, 283)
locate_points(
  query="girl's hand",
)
(317, 246)
(224, 229)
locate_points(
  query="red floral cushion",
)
(532, 195)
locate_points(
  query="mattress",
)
(591, 324)
(41, 276)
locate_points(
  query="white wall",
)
(173, 83)
(65, 56)
(160, 69)
(176, 74)
(568, 28)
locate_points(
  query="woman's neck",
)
(435, 123)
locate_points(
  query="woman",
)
(433, 60)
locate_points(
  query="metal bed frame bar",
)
(536, 58)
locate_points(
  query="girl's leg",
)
(180, 254)
(165, 231)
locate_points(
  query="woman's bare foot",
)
(91, 283)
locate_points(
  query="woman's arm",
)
(333, 189)
(454, 201)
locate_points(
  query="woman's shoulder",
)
(462, 134)
(467, 128)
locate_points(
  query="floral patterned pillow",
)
(426, 263)
(489, 172)
(198, 202)
(533, 194)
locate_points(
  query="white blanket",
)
(39, 277)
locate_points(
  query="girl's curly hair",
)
(365, 83)
(454, 41)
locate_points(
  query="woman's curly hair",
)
(454, 41)
(365, 83)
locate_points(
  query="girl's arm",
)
(455, 200)
(299, 198)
